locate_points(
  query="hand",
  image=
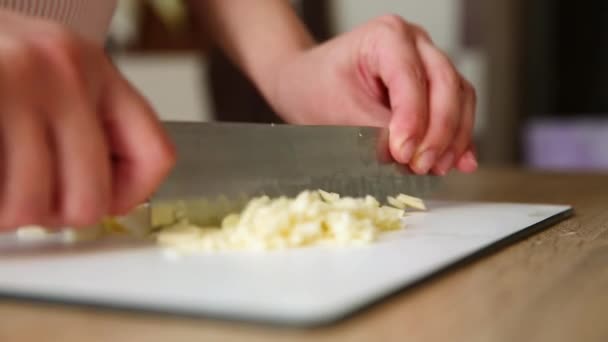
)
(387, 73)
(78, 142)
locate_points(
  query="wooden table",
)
(551, 287)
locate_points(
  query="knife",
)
(222, 165)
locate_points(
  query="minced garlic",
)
(311, 218)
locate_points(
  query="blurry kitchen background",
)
(540, 68)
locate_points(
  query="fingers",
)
(28, 171)
(65, 114)
(432, 106)
(383, 153)
(468, 161)
(462, 138)
(462, 141)
(83, 166)
(403, 74)
(141, 151)
(445, 117)
(26, 168)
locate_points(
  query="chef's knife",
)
(223, 165)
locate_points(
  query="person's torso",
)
(90, 18)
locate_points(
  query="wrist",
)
(267, 73)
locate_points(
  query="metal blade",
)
(223, 165)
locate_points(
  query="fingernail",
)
(445, 163)
(425, 161)
(470, 159)
(407, 150)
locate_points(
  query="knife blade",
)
(222, 165)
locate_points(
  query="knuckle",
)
(393, 23)
(423, 32)
(420, 31)
(56, 39)
(392, 19)
(18, 58)
(416, 73)
(448, 77)
(61, 50)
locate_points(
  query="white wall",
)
(439, 17)
(172, 83)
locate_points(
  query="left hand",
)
(387, 73)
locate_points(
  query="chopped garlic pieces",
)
(404, 201)
(135, 224)
(329, 196)
(311, 218)
(30, 233)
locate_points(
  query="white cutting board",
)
(298, 287)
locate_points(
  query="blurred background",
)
(538, 67)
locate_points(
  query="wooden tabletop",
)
(552, 286)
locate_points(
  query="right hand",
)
(77, 142)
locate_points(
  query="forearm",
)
(257, 35)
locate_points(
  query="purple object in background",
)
(576, 144)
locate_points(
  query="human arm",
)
(385, 73)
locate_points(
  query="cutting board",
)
(302, 287)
